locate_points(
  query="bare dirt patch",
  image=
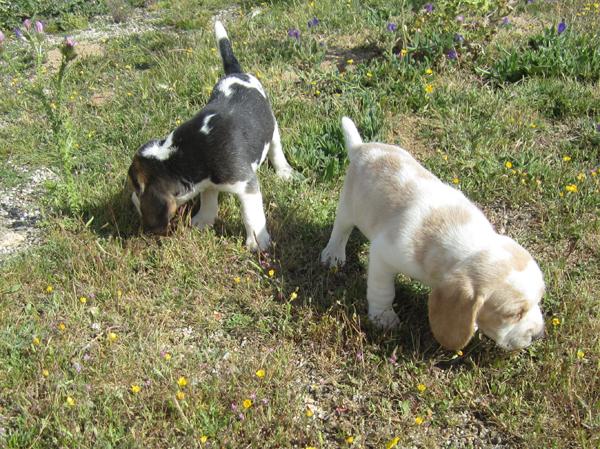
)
(19, 210)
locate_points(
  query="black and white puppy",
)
(218, 150)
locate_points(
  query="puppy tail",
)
(351, 135)
(230, 63)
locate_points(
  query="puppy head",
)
(152, 196)
(499, 296)
(511, 314)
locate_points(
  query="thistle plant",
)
(51, 97)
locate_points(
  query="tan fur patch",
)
(438, 223)
(519, 257)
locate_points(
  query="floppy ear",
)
(157, 208)
(453, 309)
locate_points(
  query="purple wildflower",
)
(598, 127)
(452, 55)
(233, 406)
(393, 359)
(505, 21)
(428, 7)
(2, 37)
(77, 367)
(562, 26)
(460, 18)
(294, 33)
(19, 34)
(241, 416)
(27, 24)
(68, 49)
(313, 22)
(360, 356)
(39, 27)
(529, 2)
(265, 401)
(459, 38)
(86, 357)
(69, 41)
(391, 27)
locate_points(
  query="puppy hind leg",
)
(277, 158)
(257, 237)
(381, 291)
(209, 209)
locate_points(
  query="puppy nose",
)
(540, 334)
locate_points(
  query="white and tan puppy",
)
(431, 232)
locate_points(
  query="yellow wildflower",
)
(419, 420)
(317, 92)
(119, 293)
(459, 353)
(581, 176)
(421, 388)
(49, 289)
(566, 158)
(247, 403)
(82, 299)
(112, 337)
(293, 296)
(237, 279)
(70, 401)
(167, 356)
(135, 388)
(555, 321)
(182, 381)
(392, 443)
(369, 75)
(36, 341)
(271, 273)
(350, 61)
(455, 181)
(45, 373)
(428, 72)
(571, 188)
(404, 52)
(260, 373)
(429, 88)
(62, 327)
(580, 354)
(309, 413)
(180, 395)
(350, 439)
(508, 164)
(532, 125)
(203, 439)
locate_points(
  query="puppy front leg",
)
(380, 291)
(277, 158)
(209, 208)
(253, 215)
(334, 253)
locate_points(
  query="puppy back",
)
(351, 136)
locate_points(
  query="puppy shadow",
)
(112, 216)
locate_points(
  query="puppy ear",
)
(157, 208)
(453, 309)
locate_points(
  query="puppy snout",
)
(539, 335)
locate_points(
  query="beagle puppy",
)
(422, 227)
(218, 150)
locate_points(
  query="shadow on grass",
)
(298, 242)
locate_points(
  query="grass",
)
(198, 305)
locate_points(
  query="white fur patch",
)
(205, 128)
(237, 187)
(160, 152)
(225, 85)
(220, 32)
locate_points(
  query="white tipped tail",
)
(351, 135)
(220, 32)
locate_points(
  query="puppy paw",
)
(386, 319)
(260, 243)
(333, 258)
(202, 222)
(286, 173)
